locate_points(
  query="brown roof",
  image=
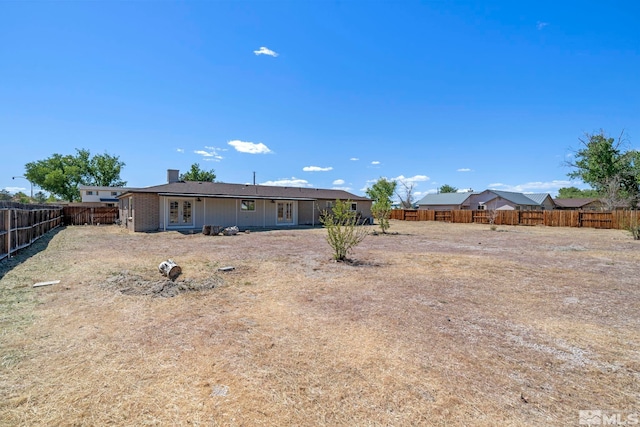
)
(575, 203)
(219, 189)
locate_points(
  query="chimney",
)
(173, 175)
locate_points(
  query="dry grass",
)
(440, 324)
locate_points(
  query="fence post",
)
(8, 222)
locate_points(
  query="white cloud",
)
(14, 190)
(375, 162)
(540, 25)
(533, 187)
(412, 179)
(288, 182)
(338, 182)
(354, 159)
(316, 169)
(249, 147)
(463, 170)
(211, 155)
(265, 51)
(180, 150)
(342, 188)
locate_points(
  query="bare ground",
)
(439, 324)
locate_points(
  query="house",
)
(543, 199)
(507, 200)
(488, 199)
(184, 205)
(101, 196)
(444, 201)
(581, 204)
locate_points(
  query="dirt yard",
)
(439, 324)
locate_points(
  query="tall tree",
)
(197, 174)
(381, 193)
(61, 174)
(406, 198)
(602, 163)
(446, 188)
(576, 193)
(5, 195)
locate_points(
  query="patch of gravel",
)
(132, 284)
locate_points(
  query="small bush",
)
(343, 231)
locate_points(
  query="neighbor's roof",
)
(444, 199)
(539, 198)
(219, 189)
(517, 198)
(575, 203)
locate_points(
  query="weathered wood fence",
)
(21, 225)
(555, 218)
(81, 215)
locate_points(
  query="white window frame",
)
(248, 205)
(181, 210)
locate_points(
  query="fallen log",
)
(170, 269)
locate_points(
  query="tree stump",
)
(230, 231)
(216, 229)
(206, 230)
(170, 269)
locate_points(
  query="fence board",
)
(21, 225)
(553, 218)
(81, 215)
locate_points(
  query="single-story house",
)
(508, 200)
(100, 196)
(444, 201)
(581, 204)
(488, 199)
(184, 205)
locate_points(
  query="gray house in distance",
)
(445, 201)
(185, 205)
(508, 200)
(488, 199)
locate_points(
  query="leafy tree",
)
(381, 193)
(604, 165)
(104, 171)
(40, 197)
(61, 174)
(343, 231)
(5, 195)
(446, 188)
(20, 197)
(576, 193)
(197, 174)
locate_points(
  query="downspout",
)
(164, 205)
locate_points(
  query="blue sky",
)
(486, 94)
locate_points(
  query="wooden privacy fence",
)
(81, 215)
(555, 218)
(21, 225)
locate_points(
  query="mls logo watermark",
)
(607, 418)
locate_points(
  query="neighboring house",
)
(101, 196)
(507, 200)
(444, 201)
(581, 204)
(543, 199)
(180, 205)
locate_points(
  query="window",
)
(180, 212)
(89, 193)
(248, 205)
(354, 206)
(114, 193)
(481, 207)
(329, 205)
